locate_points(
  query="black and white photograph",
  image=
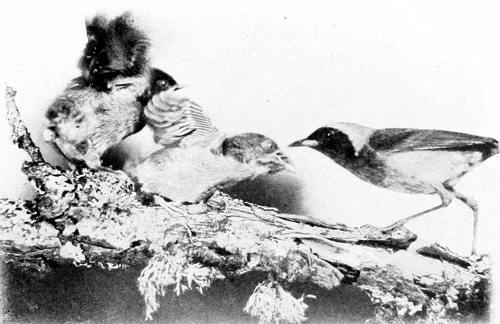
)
(249, 161)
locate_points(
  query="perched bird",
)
(192, 173)
(105, 104)
(406, 160)
(171, 121)
(193, 158)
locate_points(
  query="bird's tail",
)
(491, 148)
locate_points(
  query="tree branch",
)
(95, 218)
(20, 135)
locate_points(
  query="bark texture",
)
(96, 218)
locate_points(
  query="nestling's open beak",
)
(280, 161)
(288, 166)
(304, 142)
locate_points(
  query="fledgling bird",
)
(192, 173)
(194, 158)
(406, 160)
(171, 121)
(105, 104)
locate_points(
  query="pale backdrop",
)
(283, 69)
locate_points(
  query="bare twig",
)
(94, 218)
(20, 135)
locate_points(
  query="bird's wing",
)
(404, 139)
(178, 121)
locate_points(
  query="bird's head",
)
(258, 152)
(115, 48)
(158, 81)
(66, 114)
(331, 141)
(161, 81)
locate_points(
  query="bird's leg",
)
(403, 221)
(475, 209)
(446, 198)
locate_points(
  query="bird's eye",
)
(162, 84)
(120, 86)
(266, 145)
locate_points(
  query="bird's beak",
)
(305, 142)
(179, 87)
(288, 166)
(282, 162)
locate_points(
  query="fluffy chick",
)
(191, 158)
(104, 105)
(192, 173)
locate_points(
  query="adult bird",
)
(104, 105)
(406, 160)
(194, 159)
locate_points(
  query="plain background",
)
(285, 68)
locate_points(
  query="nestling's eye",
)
(162, 84)
(90, 36)
(105, 69)
(121, 86)
(266, 145)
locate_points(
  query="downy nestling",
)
(192, 174)
(406, 160)
(194, 158)
(98, 109)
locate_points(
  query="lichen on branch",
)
(20, 135)
(95, 218)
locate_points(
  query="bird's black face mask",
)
(333, 142)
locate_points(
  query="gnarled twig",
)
(94, 218)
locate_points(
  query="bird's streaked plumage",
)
(405, 160)
(178, 121)
(192, 158)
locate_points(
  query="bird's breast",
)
(420, 171)
(188, 174)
